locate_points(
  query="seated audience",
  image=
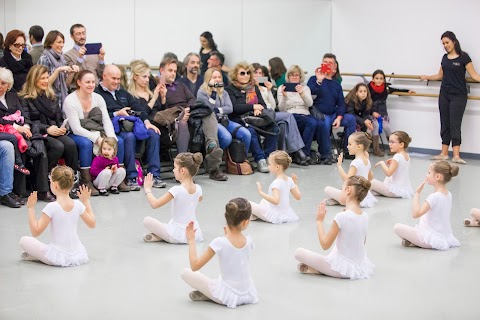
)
(292, 142)
(217, 60)
(15, 58)
(122, 104)
(298, 103)
(191, 75)
(89, 122)
(61, 75)
(35, 35)
(247, 98)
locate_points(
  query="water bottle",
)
(380, 124)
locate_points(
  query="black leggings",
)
(452, 107)
(61, 146)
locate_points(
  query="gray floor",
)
(129, 279)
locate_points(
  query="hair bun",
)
(454, 170)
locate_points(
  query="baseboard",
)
(465, 155)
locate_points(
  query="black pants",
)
(452, 107)
(61, 146)
(38, 176)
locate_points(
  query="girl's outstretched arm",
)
(88, 217)
(418, 211)
(154, 202)
(388, 170)
(295, 191)
(36, 227)
(195, 262)
(273, 199)
(326, 240)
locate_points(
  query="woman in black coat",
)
(15, 58)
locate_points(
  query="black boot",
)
(300, 158)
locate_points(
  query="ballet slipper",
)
(471, 223)
(304, 268)
(331, 202)
(198, 296)
(26, 257)
(151, 237)
(253, 217)
(407, 243)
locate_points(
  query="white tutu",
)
(276, 216)
(405, 192)
(435, 239)
(230, 296)
(177, 232)
(348, 268)
(62, 258)
(369, 201)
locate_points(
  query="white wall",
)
(404, 38)
(133, 29)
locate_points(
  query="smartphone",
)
(262, 79)
(326, 68)
(93, 48)
(64, 123)
(290, 86)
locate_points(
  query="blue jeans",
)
(7, 157)
(348, 122)
(85, 150)
(256, 149)
(308, 127)
(225, 134)
(152, 152)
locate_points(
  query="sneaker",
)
(122, 187)
(103, 192)
(133, 184)
(262, 166)
(198, 296)
(326, 161)
(151, 237)
(158, 183)
(114, 190)
(331, 202)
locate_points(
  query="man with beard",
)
(191, 78)
(78, 54)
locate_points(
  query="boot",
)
(390, 152)
(300, 158)
(376, 147)
(86, 179)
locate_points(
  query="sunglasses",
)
(19, 45)
(242, 73)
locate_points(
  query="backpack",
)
(236, 157)
(167, 121)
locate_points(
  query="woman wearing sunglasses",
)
(15, 58)
(246, 97)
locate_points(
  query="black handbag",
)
(317, 114)
(263, 123)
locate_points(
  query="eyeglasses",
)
(294, 75)
(243, 73)
(392, 142)
(19, 45)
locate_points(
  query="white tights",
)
(316, 261)
(158, 228)
(336, 194)
(379, 186)
(199, 281)
(259, 211)
(35, 249)
(409, 233)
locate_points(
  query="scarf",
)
(60, 83)
(46, 108)
(377, 89)
(249, 88)
(18, 68)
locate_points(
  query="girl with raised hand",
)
(275, 206)
(235, 286)
(434, 230)
(348, 259)
(66, 250)
(185, 198)
(358, 144)
(397, 182)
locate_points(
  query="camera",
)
(217, 85)
(222, 119)
(134, 113)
